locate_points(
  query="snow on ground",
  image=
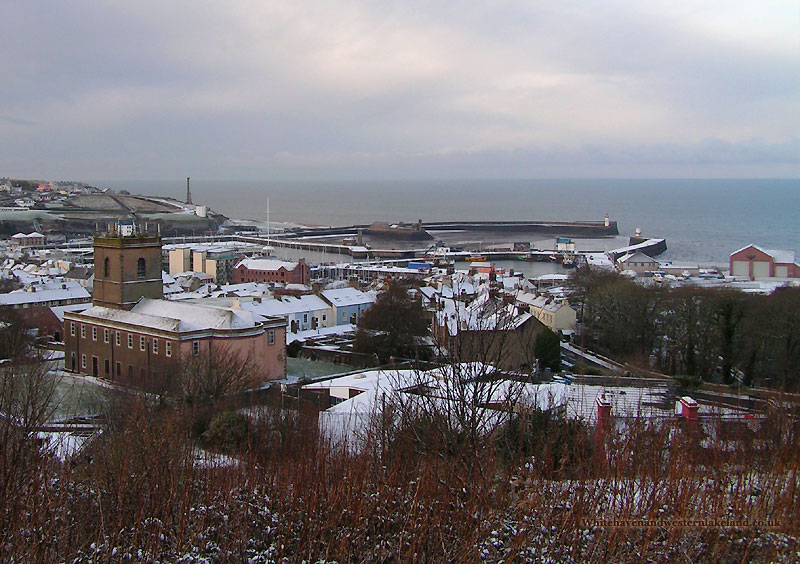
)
(63, 444)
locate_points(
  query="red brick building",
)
(271, 270)
(133, 337)
(28, 239)
(144, 347)
(754, 262)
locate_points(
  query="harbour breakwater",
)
(651, 247)
(579, 229)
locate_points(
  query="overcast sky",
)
(413, 89)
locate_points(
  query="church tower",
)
(127, 266)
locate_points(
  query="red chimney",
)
(603, 423)
(689, 409)
(603, 410)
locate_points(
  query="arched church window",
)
(106, 267)
(140, 268)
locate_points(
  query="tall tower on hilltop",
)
(127, 266)
(188, 192)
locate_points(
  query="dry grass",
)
(138, 494)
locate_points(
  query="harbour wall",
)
(586, 229)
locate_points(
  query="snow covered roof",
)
(600, 260)
(159, 322)
(177, 317)
(23, 235)
(511, 282)
(781, 256)
(428, 292)
(171, 289)
(483, 314)
(370, 380)
(638, 256)
(197, 317)
(526, 298)
(59, 311)
(344, 297)
(546, 303)
(51, 291)
(286, 305)
(247, 289)
(266, 264)
(553, 277)
(171, 286)
(348, 422)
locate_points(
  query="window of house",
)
(107, 365)
(72, 328)
(118, 338)
(141, 343)
(94, 333)
(344, 317)
(105, 337)
(195, 348)
(130, 340)
(140, 268)
(119, 370)
(305, 318)
(155, 346)
(271, 337)
(83, 361)
(83, 331)
(324, 317)
(168, 348)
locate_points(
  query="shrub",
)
(228, 431)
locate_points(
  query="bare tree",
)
(27, 393)
(454, 409)
(219, 372)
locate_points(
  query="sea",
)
(702, 220)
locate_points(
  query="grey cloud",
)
(12, 120)
(150, 88)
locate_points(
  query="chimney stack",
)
(689, 408)
(188, 192)
(603, 410)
